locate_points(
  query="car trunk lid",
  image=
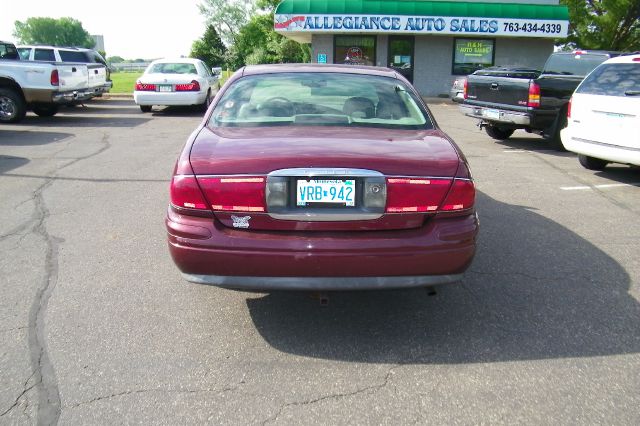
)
(238, 172)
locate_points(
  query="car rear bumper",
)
(322, 283)
(173, 98)
(207, 252)
(600, 150)
(496, 115)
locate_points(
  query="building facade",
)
(429, 42)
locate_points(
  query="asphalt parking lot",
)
(97, 326)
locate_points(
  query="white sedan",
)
(604, 115)
(182, 81)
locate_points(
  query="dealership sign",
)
(422, 25)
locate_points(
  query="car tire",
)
(555, 141)
(45, 110)
(146, 108)
(207, 102)
(592, 163)
(498, 133)
(12, 106)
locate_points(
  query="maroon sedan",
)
(311, 177)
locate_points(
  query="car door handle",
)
(494, 86)
(73, 69)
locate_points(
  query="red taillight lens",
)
(569, 108)
(235, 194)
(185, 193)
(406, 195)
(464, 91)
(461, 197)
(534, 95)
(142, 87)
(55, 78)
(194, 86)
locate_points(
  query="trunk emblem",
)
(241, 222)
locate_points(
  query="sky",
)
(146, 29)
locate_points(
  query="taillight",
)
(464, 91)
(461, 197)
(235, 194)
(194, 86)
(406, 195)
(534, 95)
(55, 78)
(569, 108)
(142, 87)
(185, 193)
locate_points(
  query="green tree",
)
(209, 48)
(56, 32)
(227, 16)
(115, 59)
(604, 24)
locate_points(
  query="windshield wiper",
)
(632, 93)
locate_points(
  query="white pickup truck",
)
(39, 86)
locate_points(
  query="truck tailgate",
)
(97, 75)
(492, 89)
(72, 76)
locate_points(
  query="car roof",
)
(32, 46)
(624, 59)
(609, 53)
(328, 68)
(176, 61)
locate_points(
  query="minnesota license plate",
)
(319, 191)
(165, 88)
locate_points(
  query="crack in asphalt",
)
(373, 388)
(22, 394)
(139, 391)
(48, 408)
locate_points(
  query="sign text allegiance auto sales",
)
(422, 24)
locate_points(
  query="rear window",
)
(44, 55)
(289, 99)
(172, 68)
(24, 53)
(613, 80)
(72, 56)
(8, 51)
(573, 64)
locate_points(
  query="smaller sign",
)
(322, 58)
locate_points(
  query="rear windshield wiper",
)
(632, 93)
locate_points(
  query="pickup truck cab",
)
(506, 99)
(39, 86)
(98, 70)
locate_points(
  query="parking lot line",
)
(604, 186)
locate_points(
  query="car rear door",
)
(606, 106)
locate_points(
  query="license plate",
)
(492, 113)
(319, 191)
(165, 88)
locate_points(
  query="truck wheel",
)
(555, 141)
(46, 110)
(498, 133)
(12, 106)
(592, 163)
(145, 108)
